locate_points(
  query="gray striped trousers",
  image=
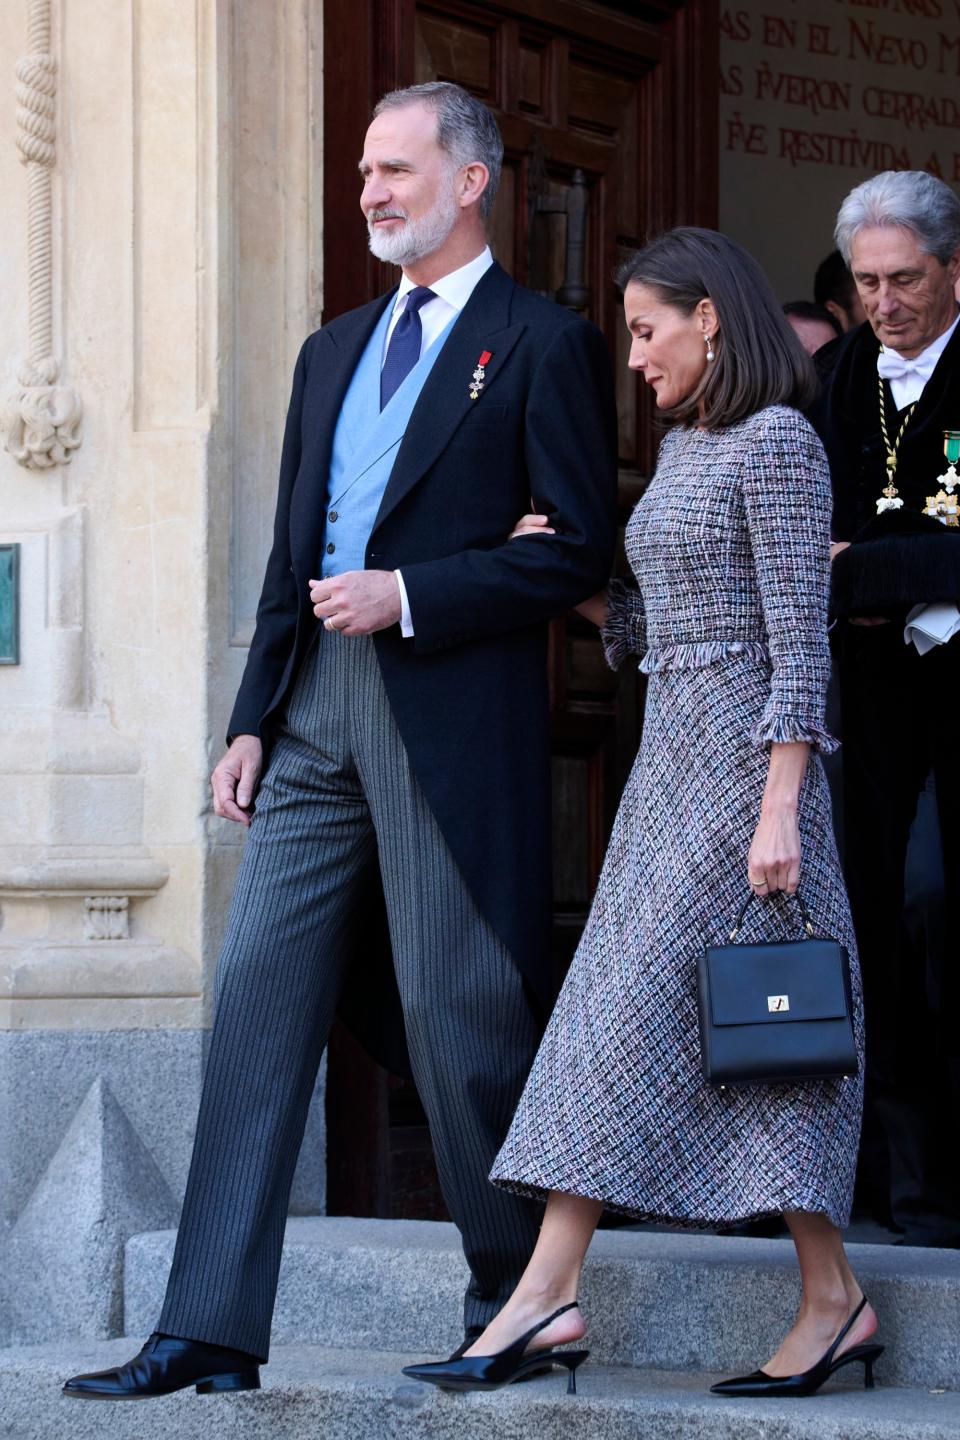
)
(338, 786)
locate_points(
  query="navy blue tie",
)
(403, 352)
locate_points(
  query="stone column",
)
(182, 223)
(42, 420)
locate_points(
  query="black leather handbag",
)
(776, 1009)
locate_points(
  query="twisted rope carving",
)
(41, 367)
(38, 25)
(36, 108)
(42, 425)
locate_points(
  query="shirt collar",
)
(928, 357)
(455, 288)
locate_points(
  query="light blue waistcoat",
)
(365, 446)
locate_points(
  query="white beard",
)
(415, 238)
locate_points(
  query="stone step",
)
(313, 1393)
(653, 1300)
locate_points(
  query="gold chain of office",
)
(890, 499)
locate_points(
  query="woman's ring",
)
(328, 623)
(759, 885)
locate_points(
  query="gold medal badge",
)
(945, 505)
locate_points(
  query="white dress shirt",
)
(451, 293)
(908, 377)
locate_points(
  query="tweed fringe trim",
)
(624, 629)
(696, 655)
(789, 729)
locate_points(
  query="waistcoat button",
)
(332, 517)
(331, 548)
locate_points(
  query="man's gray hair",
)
(466, 129)
(911, 198)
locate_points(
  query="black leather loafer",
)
(165, 1364)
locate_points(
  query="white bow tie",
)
(891, 366)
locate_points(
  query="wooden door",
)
(619, 97)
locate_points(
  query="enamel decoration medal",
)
(945, 505)
(479, 375)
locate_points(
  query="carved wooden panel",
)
(533, 77)
(450, 49)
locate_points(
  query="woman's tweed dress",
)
(730, 548)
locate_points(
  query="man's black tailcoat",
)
(887, 570)
(895, 706)
(469, 692)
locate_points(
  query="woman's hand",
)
(595, 608)
(531, 525)
(774, 859)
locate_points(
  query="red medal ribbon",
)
(485, 357)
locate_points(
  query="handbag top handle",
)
(805, 913)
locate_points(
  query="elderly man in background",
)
(891, 423)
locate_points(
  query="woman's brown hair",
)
(759, 360)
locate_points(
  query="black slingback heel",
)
(489, 1372)
(809, 1381)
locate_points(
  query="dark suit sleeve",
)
(836, 428)
(276, 624)
(571, 458)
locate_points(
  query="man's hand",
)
(357, 603)
(235, 778)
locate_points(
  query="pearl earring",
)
(710, 351)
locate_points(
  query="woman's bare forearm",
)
(595, 609)
(788, 765)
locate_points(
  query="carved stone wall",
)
(42, 418)
(175, 269)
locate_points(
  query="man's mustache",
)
(386, 214)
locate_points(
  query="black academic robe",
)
(899, 558)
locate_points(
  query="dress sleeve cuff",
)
(623, 631)
(780, 729)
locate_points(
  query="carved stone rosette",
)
(41, 421)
